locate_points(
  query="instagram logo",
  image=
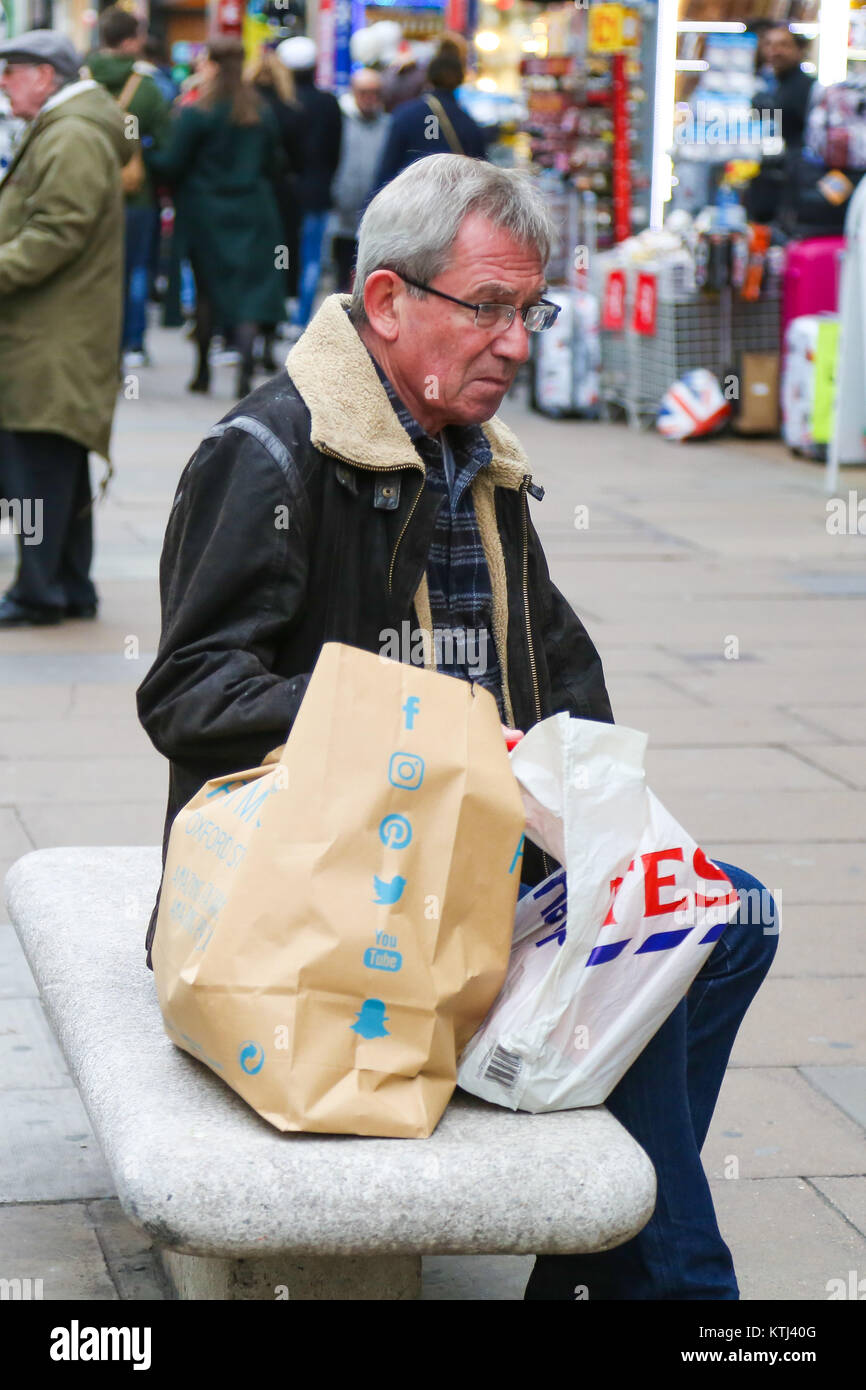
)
(406, 770)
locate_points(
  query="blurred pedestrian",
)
(403, 80)
(321, 133)
(435, 123)
(364, 127)
(275, 84)
(221, 157)
(116, 67)
(157, 64)
(61, 304)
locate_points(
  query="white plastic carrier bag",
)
(596, 970)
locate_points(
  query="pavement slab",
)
(16, 981)
(95, 823)
(58, 1245)
(787, 1241)
(768, 814)
(797, 873)
(739, 770)
(846, 1086)
(846, 761)
(844, 723)
(29, 1055)
(798, 1022)
(48, 1152)
(828, 940)
(770, 1123)
(848, 1196)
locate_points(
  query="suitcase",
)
(813, 271)
(811, 345)
(566, 359)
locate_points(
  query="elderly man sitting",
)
(407, 502)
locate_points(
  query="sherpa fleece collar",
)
(350, 414)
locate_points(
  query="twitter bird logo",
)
(388, 892)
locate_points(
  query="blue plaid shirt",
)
(461, 598)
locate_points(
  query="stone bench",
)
(238, 1210)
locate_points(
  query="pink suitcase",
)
(813, 272)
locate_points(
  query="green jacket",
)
(148, 106)
(61, 270)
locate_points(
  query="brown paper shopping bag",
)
(335, 925)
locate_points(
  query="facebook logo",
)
(410, 709)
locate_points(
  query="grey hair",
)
(412, 223)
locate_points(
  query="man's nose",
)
(513, 344)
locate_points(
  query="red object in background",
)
(621, 152)
(645, 299)
(455, 16)
(512, 740)
(229, 18)
(613, 303)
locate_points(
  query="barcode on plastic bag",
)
(503, 1067)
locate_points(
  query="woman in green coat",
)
(222, 156)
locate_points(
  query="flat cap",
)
(42, 46)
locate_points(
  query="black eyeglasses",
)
(536, 317)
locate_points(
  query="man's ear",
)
(382, 292)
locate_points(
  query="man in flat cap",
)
(61, 281)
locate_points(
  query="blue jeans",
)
(666, 1101)
(139, 239)
(312, 236)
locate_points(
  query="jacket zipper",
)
(533, 669)
(401, 468)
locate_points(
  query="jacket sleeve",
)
(179, 143)
(76, 172)
(155, 117)
(576, 674)
(232, 580)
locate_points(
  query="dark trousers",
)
(47, 476)
(139, 241)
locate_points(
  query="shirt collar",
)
(464, 438)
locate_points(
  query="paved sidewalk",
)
(733, 629)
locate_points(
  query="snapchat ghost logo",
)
(371, 1020)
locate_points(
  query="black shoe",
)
(200, 383)
(81, 610)
(15, 614)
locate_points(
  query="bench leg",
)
(346, 1278)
